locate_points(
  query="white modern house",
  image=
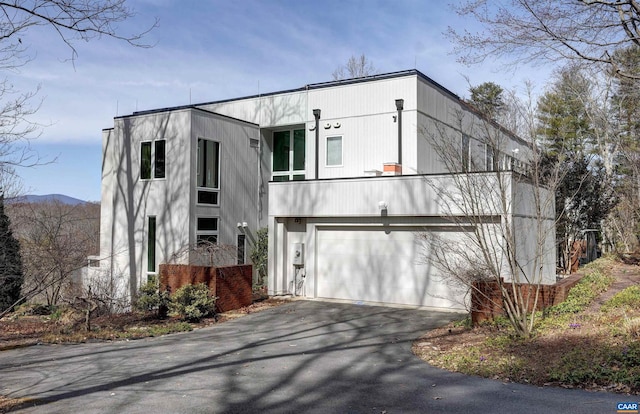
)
(344, 174)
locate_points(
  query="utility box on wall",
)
(297, 254)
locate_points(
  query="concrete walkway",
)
(303, 357)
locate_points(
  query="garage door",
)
(369, 264)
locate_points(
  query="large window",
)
(288, 155)
(207, 230)
(208, 171)
(334, 151)
(153, 161)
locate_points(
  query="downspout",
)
(400, 107)
(316, 115)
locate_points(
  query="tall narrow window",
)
(145, 160)
(334, 151)
(151, 246)
(288, 154)
(489, 158)
(208, 171)
(466, 149)
(160, 157)
(241, 249)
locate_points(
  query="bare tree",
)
(71, 21)
(549, 30)
(502, 214)
(205, 253)
(356, 67)
(55, 240)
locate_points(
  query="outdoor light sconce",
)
(327, 125)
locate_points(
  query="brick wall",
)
(231, 284)
(486, 299)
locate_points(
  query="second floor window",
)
(208, 171)
(153, 159)
(288, 155)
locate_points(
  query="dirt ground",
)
(543, 351)
(31, 330)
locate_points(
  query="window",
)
(490, 158)
(288, 162)
(208, 171)
(207, 230)
(466, 149)
(147, 164)
(241, 249)
(159, 171)
(334, 151)
(151, 245)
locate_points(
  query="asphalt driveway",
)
(303, 357)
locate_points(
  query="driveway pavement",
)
(303, 357)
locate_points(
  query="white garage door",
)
(368, 264)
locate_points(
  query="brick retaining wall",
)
(231, 284)
(486, 301)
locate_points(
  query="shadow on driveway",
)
(302, 357)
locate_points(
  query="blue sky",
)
(207, 50)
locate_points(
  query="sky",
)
(208, 50)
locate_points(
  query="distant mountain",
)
(46, 199)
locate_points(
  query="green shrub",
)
(150, 299)
(259, 256)
(193, 302)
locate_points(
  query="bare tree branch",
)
(539, 31)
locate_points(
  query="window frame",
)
(241, 249)
(205, 233)
(291, 174)
(152, 238)
(341, 140)
(203, 189)
(465, 153)
(153, 168)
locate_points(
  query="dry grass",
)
(591, 348)
(68, 327)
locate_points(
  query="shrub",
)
(259, 255)
(193, 302)
(150, 299)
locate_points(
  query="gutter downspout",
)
(400, 107)
(316, 115)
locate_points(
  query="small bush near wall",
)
(259, 256)
(152, 299)
(230, 284)
(193, 302)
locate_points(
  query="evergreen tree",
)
(11, 276)
(582, 197)
(562, 114)
(488, 99)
